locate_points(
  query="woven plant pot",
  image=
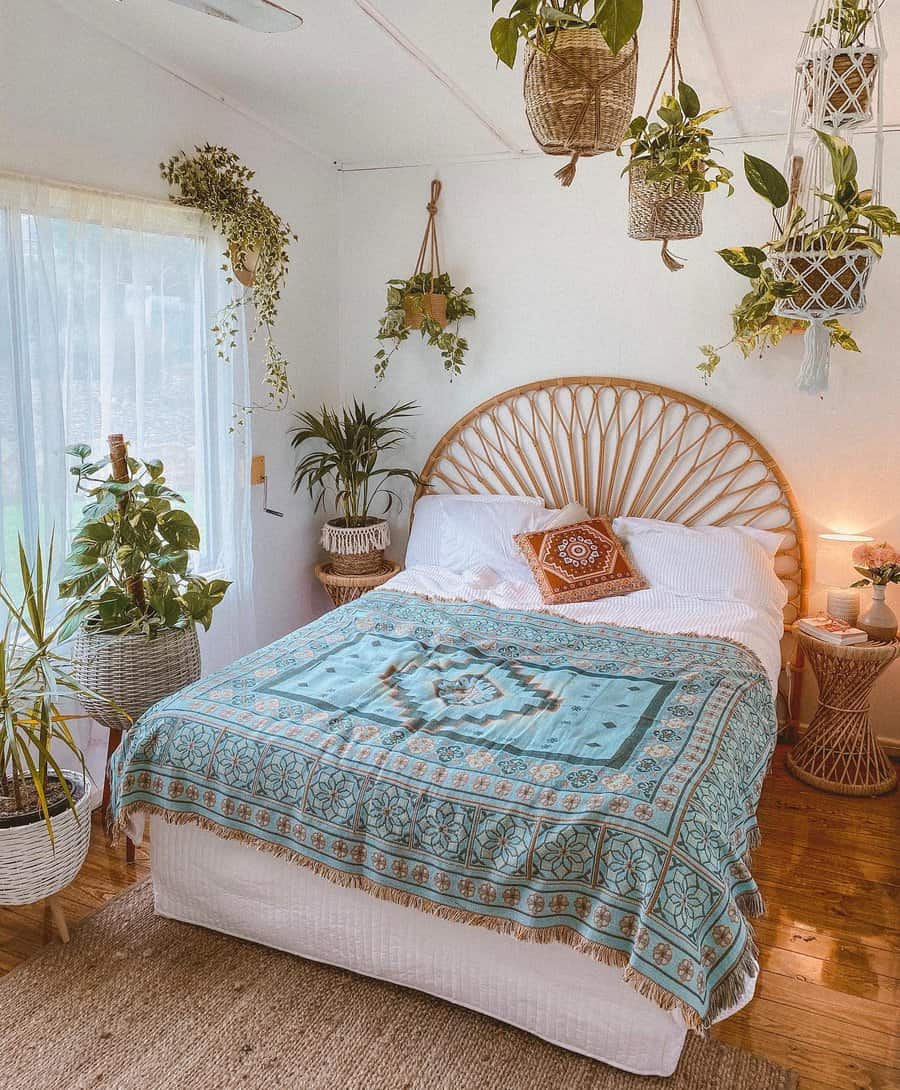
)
(662, 211)
(31, 868)
(845, 81)
(829, 286)
(356, 550)
(133, 670)
(416, 307)
(579, 97)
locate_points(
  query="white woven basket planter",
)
(356, 550)
(32, 869)
(839, 87)
(134, 671)
(829, 288)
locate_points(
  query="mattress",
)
(549, 990)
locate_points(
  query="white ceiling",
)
(396, 82)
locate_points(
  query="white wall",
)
(77, 107)
(560, 290)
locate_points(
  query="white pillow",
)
(462, 532)
(717, 563)
(566, 516)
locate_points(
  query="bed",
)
(415, 787)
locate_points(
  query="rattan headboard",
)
(622, 447)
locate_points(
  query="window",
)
(105, 309)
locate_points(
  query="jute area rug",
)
(136, 1002)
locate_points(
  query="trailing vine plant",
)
(216, 182)
(394, 329)
(537, 21)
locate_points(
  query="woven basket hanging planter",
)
(31, 867)
(840, 87)
(418, 307)
(660, 212)
(133, 671)
(432, 304)
(356, 550)
(579, 96)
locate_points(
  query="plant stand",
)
(347, 588)
(838, 752)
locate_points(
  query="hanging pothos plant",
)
(411, 305)
(428, 302)
(216, 182)
(852, 220)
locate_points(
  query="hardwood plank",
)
(828, 998)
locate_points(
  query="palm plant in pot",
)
(45, 808)
(137, 604)
(351, 442)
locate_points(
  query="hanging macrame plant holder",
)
(829, 285)
(432, 304)
(839, 69)
(664, 211)
(579, 95)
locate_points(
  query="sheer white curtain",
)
(105, 308)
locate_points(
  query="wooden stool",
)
(347, 588)
(838, 752)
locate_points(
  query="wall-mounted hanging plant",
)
(816, 267)
(215, 181)
(839, 63)
(428, 302)
(671, 162)
(580, 71)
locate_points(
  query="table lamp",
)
(834, 569)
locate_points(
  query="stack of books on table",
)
(831, 631)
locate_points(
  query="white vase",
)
(878, 621)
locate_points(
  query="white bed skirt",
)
(549, 990)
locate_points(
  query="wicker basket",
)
(829, 286)
(356, 550)
(845, 80)
(134, 671)
(31, 868)
(415, 307)
(659, 211)
(579, 96)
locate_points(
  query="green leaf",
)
(766, 180)
(154, 467)
(689, 100)
(79, 450)
(746, 260)
(618, 21)
(505, 41)
(844, 165)
(179, 529)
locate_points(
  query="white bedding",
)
(759, 628)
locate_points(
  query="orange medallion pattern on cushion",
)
(579, 563)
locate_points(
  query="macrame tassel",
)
(670, 261)
(567, 174)
(813, 377)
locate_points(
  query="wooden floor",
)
(828, 1000)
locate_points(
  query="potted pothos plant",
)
(346, 465)
(45, 807)
(427, 302)
(136, 601)
(580, 71)
(816, 263)
(215, 181)
(840, 73)
(671, 166)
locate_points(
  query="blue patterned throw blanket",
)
(583, 784)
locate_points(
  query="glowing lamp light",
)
(834, 569)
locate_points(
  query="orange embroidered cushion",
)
(579, 563)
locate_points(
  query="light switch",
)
(258, 469)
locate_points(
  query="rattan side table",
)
(838, 751)
(347, 588)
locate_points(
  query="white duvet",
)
(758, 628)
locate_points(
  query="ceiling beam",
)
(716, 55)
(409, 47)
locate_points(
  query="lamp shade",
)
(834, 562)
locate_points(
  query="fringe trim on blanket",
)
(725, 994)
